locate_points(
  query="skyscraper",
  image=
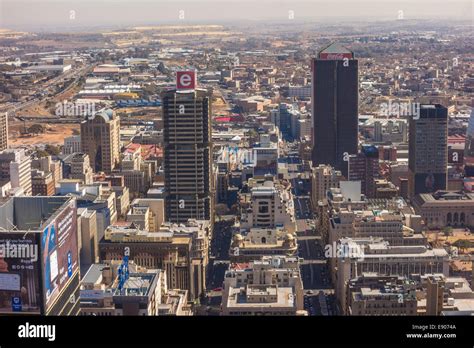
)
(100, 140)
(3, 131)
(187, 151)
(428, 150)
(469, 147)
(335, 102)
(364, 167)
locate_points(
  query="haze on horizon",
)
(52, 15)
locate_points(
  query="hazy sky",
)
(57, 15)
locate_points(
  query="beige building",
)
(323, 177)
(378, 302)
(376, 255)
(81, 168)
(3, 131)
(88, 238)
(100, 140)
(48, 165)
(154, 208)
(443, 295)
(375, 294)
(15, 166)
(269, 205)
(182, 250)
(445, 208)
(72, 144)
(258, 242)
(269, 286)
(144, 293)
(122, 195)
(42, 183)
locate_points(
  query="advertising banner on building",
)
(19, 273)
(59, 252)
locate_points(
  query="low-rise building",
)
(143, 292)
(258, 242)
(445, 208)
(269, 286)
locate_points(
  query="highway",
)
(47, 87)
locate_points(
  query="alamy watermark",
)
(398, 109)
(235, 155)
(340, 251)
(67, 108)
(19, 250)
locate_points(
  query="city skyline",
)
(222, 159)
(51, 15)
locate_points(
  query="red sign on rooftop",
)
(335, 56)
(186, 79)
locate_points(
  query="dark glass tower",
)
(187, 155)
(428, 150)
(335, 104)
(469, 148)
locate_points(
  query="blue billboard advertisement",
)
(59, 252)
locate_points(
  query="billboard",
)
(185, 79)
(59, 253)
(20, 288)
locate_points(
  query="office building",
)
(335, 101)
(81, 168)
(47, 165)
(100, 140)
(89, 242)
(445, 208)
(364, 167)
(72, 144)
(139, 294)
(42, 184)
(469, 147)
(268, 205)
(3, 131)
(283, 116)
(258, 242)
(323, 178)
(428, 150)
(181, 250)
(187, 154)
(15, 166)
(443, 295)
(377, 255)
(271, 285)
(144, 292)
(374, 294)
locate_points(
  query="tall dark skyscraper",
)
(335, 103)
(469, 147)
(187, 151)
(428, 150)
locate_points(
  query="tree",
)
(36, 129)
(463, 244)
(52, 150)
(447, 231)
(41, 153)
